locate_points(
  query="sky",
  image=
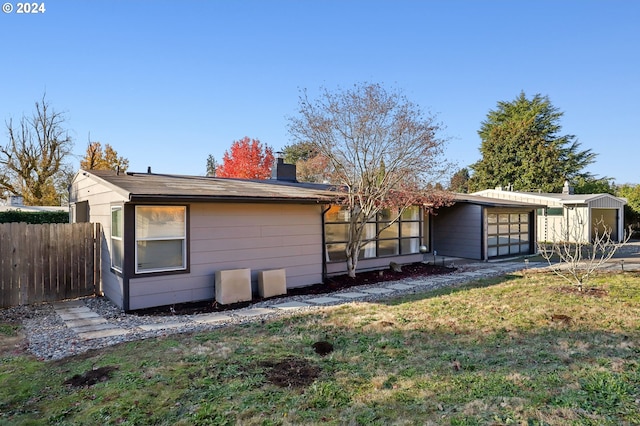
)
(167, 83)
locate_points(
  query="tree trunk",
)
(353, 252)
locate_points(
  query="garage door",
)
(508, 234)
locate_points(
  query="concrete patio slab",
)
(400, 286)
(248, 313)
(324, 300)
(103, 333)
(85, 322)
(211, 318)
(350, 295)
(94, 327)
(291, 305)
(378, 290)
(162, 326)
(83, 314)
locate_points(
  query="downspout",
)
(324, 246)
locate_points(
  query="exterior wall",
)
(233, 236)
(100, 197)
(572, 226)
(551, 228)
(457, 231)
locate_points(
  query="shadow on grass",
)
(449, 290)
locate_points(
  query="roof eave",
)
(155, 198)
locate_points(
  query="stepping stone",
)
(400, 286)
(377, 290)
(102, 333)
(248, 313)
(291, 305)
(72, 315)
(164, 326)
(84, 322)
(211, 318)
(324, 300)
(94, 327)
(68, 304)
(353, 295)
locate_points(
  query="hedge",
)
(34, 217)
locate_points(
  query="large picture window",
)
(398, 238)
(117, 245)
(161, 238)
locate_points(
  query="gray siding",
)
(100, 197)
(457, 231)
(231, 236)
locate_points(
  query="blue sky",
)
(167, 83)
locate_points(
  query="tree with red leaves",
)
(246, 159)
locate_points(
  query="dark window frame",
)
(381, 224)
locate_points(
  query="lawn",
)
(514, 350)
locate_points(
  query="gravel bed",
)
(48, 338)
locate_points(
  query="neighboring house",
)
(482, 228)
(15, 202)
(165, 236)
(568, 216)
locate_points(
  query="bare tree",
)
(33, 164)
(382, 153)
(572, 257)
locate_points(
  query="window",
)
(117, 246)
(161, 238)
(397, 238)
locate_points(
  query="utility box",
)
(233, 286)
(272, 283)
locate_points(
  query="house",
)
(567, 216)
(15, 202)
(166, 236)
(484, 228)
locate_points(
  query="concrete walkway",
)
(86, 323)
(89, 325)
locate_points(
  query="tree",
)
(32, 163)
(381, 150)
(577, 261)
(212, 165)
(311, 166)
(98, 159)
(522, 146)
(632, 209)
(594, 186)
(459, 182)
(247, 159)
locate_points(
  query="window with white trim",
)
(161, 238)
(117, 244)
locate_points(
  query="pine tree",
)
(522, 146)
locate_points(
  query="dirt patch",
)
(331, 285)
(591, 291)
(91, 377)
(322, 348)
(291, 372)
(13, 344)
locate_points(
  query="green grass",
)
(486, 353)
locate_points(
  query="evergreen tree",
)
(522, 146)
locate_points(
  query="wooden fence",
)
(45, 263)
